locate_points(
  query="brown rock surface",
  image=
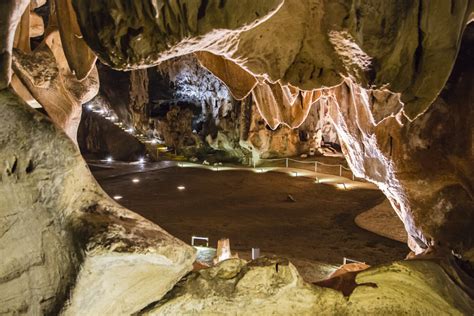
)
(11, 12)
(79, 56)
(409, 46)
(47, 76)
(239, 81)
(271, 286)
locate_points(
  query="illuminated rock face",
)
(10, 16)
(60, 73)
(62, 240)
(194, 112)
(409, 45)
(274, 287)
(425, 166)
(99, 138)
(81, 243)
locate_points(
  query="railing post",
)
(315, 166)
(253, 162)
(353, 177)
(286, 162)
(340, 170)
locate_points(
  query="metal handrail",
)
(316, 163)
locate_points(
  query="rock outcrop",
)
(66, 246)
(273, 287)
(425, 166)
(60, 73)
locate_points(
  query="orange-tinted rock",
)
(80, 58)
(239, 81)
(283, 104)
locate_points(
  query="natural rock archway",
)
(379, 66)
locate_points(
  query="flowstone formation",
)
(379, 69)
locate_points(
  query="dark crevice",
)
(202, 9)
(222, 4)
(358, 16)
(419, 49)
(15, 163)
(30, 167)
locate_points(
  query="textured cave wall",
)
(200, 109)
(124, 93)
(99, 138)
(272, 286)
(189, 109)
(264, 142)
(65, 245)
(424, 166)
(409, 45)
(59, 73)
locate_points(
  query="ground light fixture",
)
(181, 187)
(135, 180)
(141, 160)
(109, 159)
(342, 186)
(117, 197)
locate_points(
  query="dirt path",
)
(253, 210)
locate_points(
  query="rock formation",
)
(60, 73)
(82, 253)
(273, 286)
(398, 48)
(192, 111)
(11, 12)
(377, 68)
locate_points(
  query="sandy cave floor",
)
(253, 210)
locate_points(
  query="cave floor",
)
(254, 210)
